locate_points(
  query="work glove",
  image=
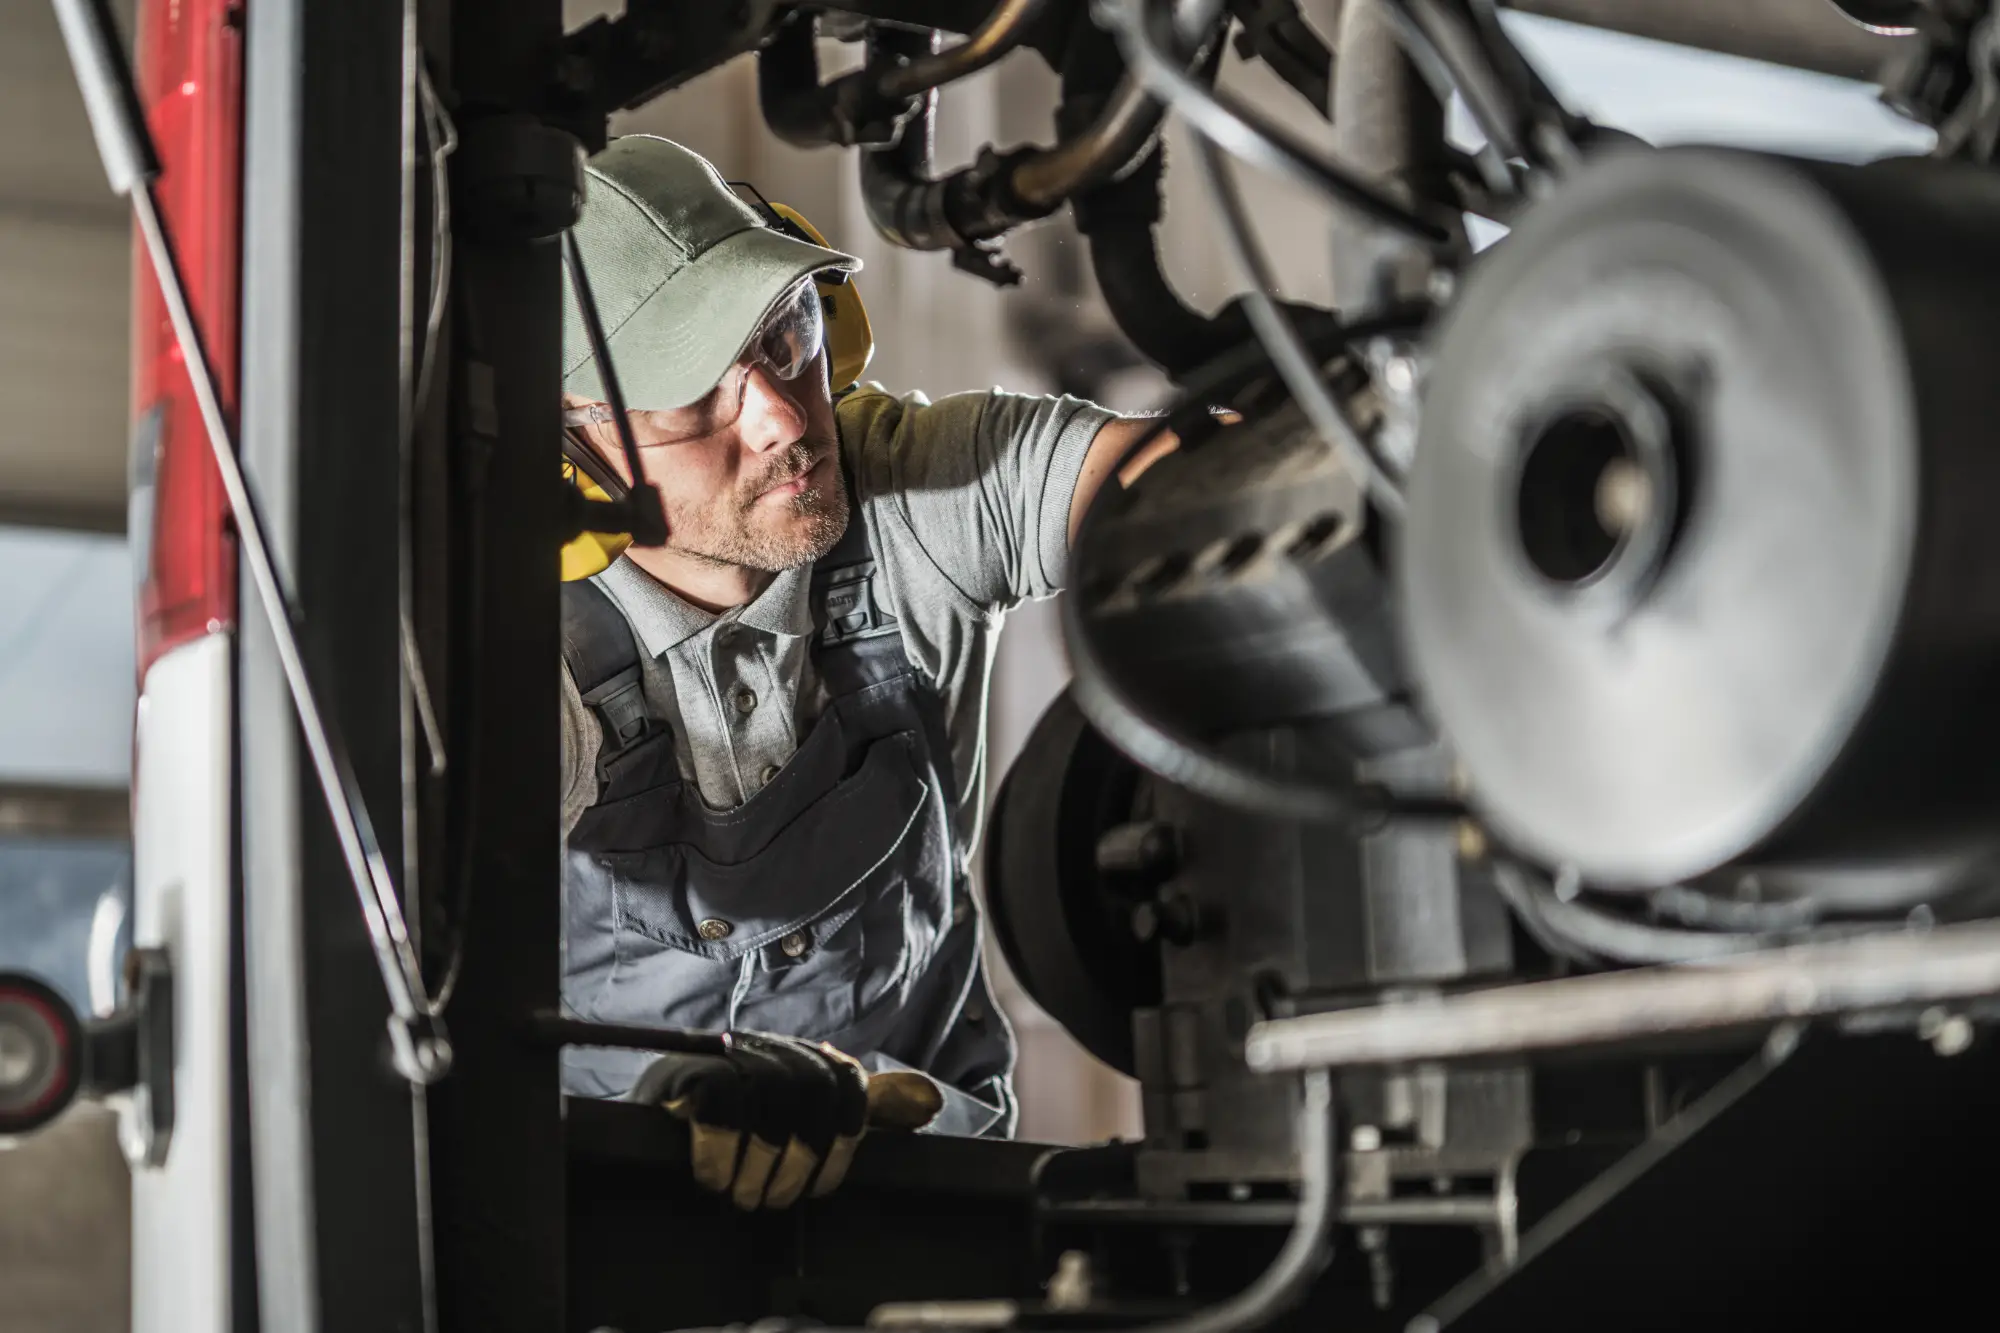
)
(778, 1118)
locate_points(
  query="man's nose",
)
(771, 418)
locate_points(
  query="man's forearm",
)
(1105, 450)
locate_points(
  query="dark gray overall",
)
(831, 905)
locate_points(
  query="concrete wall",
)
(65, 261)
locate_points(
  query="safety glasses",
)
(786, 344)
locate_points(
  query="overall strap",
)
(856, 641)
(603, 658)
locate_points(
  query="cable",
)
(1282, 341)
(1229, 127)
(1437, 72)
(1585, 934)
(1306, 1249)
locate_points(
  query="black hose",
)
(1579, 931)
(1117, 221)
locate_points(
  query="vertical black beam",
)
(496, 1123)
(333, 1142)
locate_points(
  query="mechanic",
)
(773, 725)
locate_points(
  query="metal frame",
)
(333, 1147)
(496, 1125)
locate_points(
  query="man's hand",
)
(778, 1117)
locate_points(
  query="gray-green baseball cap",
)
(683, 271)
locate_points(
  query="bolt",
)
(1145, 848)
(1070, 1288)
(1174, 919)
(1472, 844)
(1239, 1192)
(1949, 1034)
(1568, 884)
(1954, 1037)
(1399, 375)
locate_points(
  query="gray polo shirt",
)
(967, 505)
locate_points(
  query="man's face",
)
(764, 491)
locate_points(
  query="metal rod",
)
(1002, 31)
(1119, 134)
(422, 1050)
(1947, 965)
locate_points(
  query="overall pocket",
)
(809, 936)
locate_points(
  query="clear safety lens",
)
(786, 344)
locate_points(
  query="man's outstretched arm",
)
(1110, 444)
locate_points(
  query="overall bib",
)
(831, 905)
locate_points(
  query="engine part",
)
(1062, 883)
(1698, 525)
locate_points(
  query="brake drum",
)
(1702, 564)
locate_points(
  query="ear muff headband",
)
(850, 346)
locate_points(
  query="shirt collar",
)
(664, 621)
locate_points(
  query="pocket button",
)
(795, 944)
(715, 928)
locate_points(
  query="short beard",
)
(722, 532)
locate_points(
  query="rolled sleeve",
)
(983, 482)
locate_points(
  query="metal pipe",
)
(1805, 34)
(1114, 140)
(1004, 29)
(1948, 965)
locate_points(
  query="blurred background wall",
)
(66, 698)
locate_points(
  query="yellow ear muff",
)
(850, 342)
(590, 552)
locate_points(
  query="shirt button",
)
(960, 910)
(715, 928)
(795, 944)
(770, 774)
(745, 700)
(725, 636)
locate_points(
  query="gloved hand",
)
(778, 1117)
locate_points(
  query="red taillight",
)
(190, 72)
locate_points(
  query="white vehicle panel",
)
(181, 896)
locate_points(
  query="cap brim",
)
(684, 337)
